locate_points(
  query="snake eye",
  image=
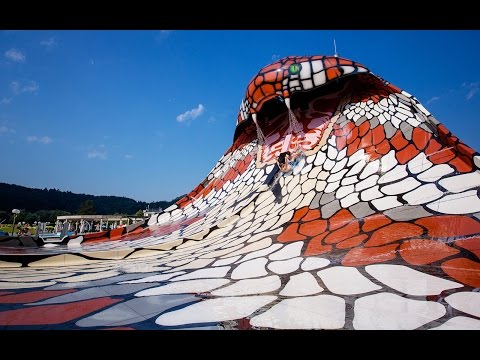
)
(294, 69)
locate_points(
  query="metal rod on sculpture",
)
(260, 136)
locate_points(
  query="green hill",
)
(37, 201)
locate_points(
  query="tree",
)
(52, 215)
(30, 218)
(87, 208)
(139, 213)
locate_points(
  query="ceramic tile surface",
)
(376, 225)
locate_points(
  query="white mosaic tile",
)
(410, 281)
(215, 310)
(90, 276)
(461, 203)
(250, 287)
(185, 287)
(387, 311)
(288, 251)
(385, 203)
(419, 163)
(459, 323)
(285, 266)
(226, 261)
(250, 269)
(300, 285)
(218, 272)
(259, 253)
(423, 194)
(461, 182)
(467, 302)
(400, 187)
(313, 312)
(345, 280)
(153, 278)
(314, 263)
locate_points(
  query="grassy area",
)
(8, 229)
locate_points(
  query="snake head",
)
(290, 74)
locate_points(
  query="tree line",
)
(47, 204)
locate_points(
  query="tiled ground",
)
(379, 230)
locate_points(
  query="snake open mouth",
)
(293, 102)
(314, 110)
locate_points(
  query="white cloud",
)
(471, 93)
(191, 114)
(5, 101)
(435, 98)
(43, 139)
(32, 86)
(128, 156)
(96, 154)
(18, 87)
(6, 130)
(15, 87)
(15, 55)
(49, 43)
(472, 89)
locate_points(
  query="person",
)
(286, 159)
(23, 231)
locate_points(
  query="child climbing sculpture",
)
(286, 160)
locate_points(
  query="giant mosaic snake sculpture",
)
(379, 230)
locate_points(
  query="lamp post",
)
(15, 212)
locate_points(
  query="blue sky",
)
(147, 114)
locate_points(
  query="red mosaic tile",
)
(363, 128)
(312, 215)
(299, 214)
(374, 222)
(422, 252)
(313, 228)
(54, 314)
(352, 242)
(442, 156)
(353, 135)
(471, 244)
(433, 147)
(32, 296)
(315, 246)
(290, 234)
(450, 225)
(405, 155)
(366, 256)
(420, 138)
(378, 135)
(462, 164)
(345, 232)
(340, 219)
(463, 270)
(393, 232)
(398, 141)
